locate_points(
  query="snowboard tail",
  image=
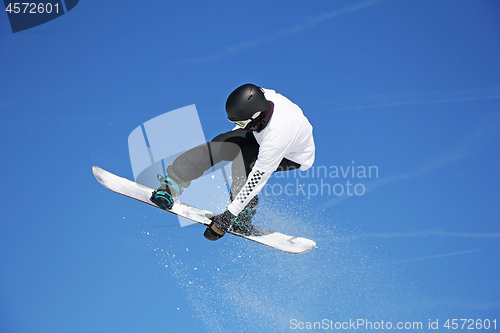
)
(142, 193)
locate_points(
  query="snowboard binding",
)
(166, 194)
(242, 224)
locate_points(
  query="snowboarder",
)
(272, 134)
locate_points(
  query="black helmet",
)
(243, 103)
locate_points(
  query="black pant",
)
(237, 146)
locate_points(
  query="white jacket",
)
(287, 135)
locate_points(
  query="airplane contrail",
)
(308, 23)
(427, 233)
(431, 257)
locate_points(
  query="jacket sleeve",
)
(268, 160)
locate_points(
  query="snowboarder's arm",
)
(267, 162)
(255, 182)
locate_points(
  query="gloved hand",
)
(221, 222)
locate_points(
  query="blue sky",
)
(411, 87)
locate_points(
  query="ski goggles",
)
(244, 123)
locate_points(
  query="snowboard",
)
(128, 188)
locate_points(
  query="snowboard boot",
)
(242, 224)
(166, 194)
